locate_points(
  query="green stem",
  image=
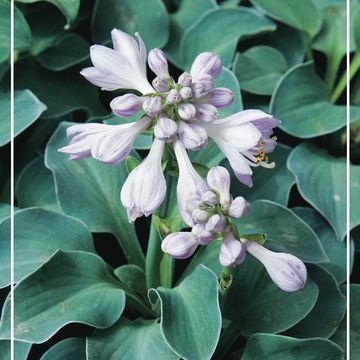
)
(331, 71)
(227, 338)
(354, 67)
(166, 270)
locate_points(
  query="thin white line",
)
(348, 178)
(12, 352)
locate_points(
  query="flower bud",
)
(206, 81)
(286, 271)
(209, 198)
(186, 93)
(180, 245)
(239, 207)
(165, 129)
(215, 223)
(198, 90)
(199, 216)
(152, 105)
(126, 105)
(161, 84)
(173, 97)
(186, 111)
(206, 112)
(193, 137)
(192, 203)
(219, 97)
(185, 79)
(206, 63)
(232, 251)
(158, 63)
(203, 237)
(218, 179)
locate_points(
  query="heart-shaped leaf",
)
(89, 190)
(38, 234)
(35, 187)
(190, 314)
(286, 231)
(27, 109)
(72, 348)
(21, 350)
(140, 339)
(70, 287)
(276, 347)
(224, 27)
(131, 16)
(248, 303)
(301, 102)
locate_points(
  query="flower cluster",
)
(181, 115)
(209, 211)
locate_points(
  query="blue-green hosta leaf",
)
(325, 317)
(322, 182)
(21, 350)
(22, 32)
(223, 29)
(89, 190)
(286, 231)
(27, 109)
(259, 68)
(71, 287)
(62, 92)
(302, 15)
(69, 8)
(271, 184)
(256, 304)
(38, 235)
(147, 17)
(36, 188)
(190, 315)
(189, 12)
(5, 210)
(340, 336)
(139, 339)
(276, 347)
(70, 50)
(72, 348)
(210, 156)
(334, 249)
(301, 102)
(356, 25)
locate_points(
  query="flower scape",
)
(183, 115)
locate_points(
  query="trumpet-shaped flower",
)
(145, 188)
(286, 271)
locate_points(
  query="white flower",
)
(180, 245)
(286, 271)
(145, 188)
(190, 183)
(232, 251)
(121, 68)
(218, 179)
(110, 144)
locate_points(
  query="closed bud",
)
(192, 203)
(218, 179)
(206, 63)
(209, 198)
(206, 81)
(193, 137)
(232, 251)
(186, 111)
(203, 237)
(158, 63)
(126, 105)
(161, 84)
(219, 97)
(152, 105)
(180, 245)
(286, 271)
(198, 90)
(206, 113)
(239, 207)
(186, 93)
(173, 97)
(199, 216)
(165, 129)
(185, 79)
(215, 223)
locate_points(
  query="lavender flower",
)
(179, 245)
(286, 271)
(232, 251)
